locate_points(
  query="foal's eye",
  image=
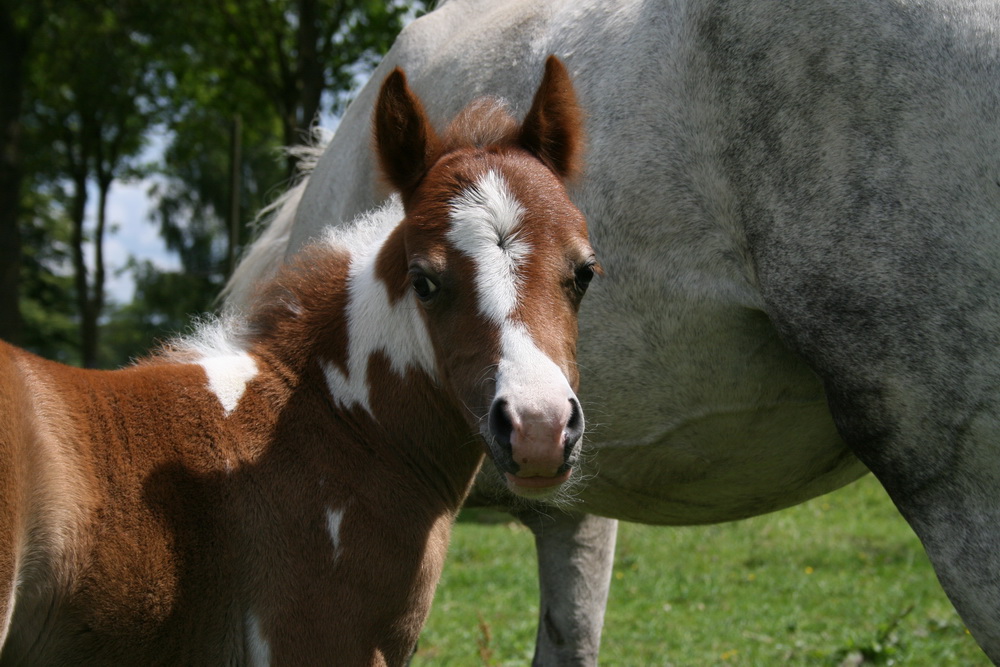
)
(584, 275)
(424, 287)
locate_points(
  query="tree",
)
(47, 294)
(296, 51)
(95, 77)
(92, 105)
(161, 308)
(269, 63)
(19, 22)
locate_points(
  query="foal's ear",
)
(553, 128)
(404, 139)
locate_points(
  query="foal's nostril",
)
(500, 422)
(574, 427)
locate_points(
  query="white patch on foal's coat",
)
(484, 222)
(258, 648)
(333, 520)
(228, 377)
(374, 324)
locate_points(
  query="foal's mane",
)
(301, 294)
(487, 122)
(309, 292)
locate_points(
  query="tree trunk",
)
(88, 320)
(13, 58)
(304, 91)
(235, 185)
(312, 79)
(97, 288)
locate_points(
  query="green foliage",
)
(164, 306)
(103, 75)
(193, 200)
(90, 106)
(47, 304)
(91, 96)
(838, 581)
(271, 64)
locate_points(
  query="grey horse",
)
(797, 207)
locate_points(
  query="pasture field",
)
(839, 581)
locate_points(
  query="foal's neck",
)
(338, 334)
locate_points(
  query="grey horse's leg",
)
(911, 373)
(915, 396)
(575, 556)
(943, 473)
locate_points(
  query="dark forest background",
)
(222, 85)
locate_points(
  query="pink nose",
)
(536, 441)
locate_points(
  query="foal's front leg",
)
(575, 556)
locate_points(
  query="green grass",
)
(840, 580)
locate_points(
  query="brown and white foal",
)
(280, 490)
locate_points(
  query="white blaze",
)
(527, 372)
(484, 222)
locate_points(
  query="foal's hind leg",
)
(8, 575)
(575, 556)
(10, 490)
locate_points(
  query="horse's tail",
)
(262, 259)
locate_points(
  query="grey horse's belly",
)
(698, 413)
(715, 463)
(720, 466)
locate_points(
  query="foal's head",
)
(498, 260)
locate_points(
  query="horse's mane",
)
(279, 298)
(276, 220)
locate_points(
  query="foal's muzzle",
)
(535, 445)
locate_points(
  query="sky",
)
(132, 233)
